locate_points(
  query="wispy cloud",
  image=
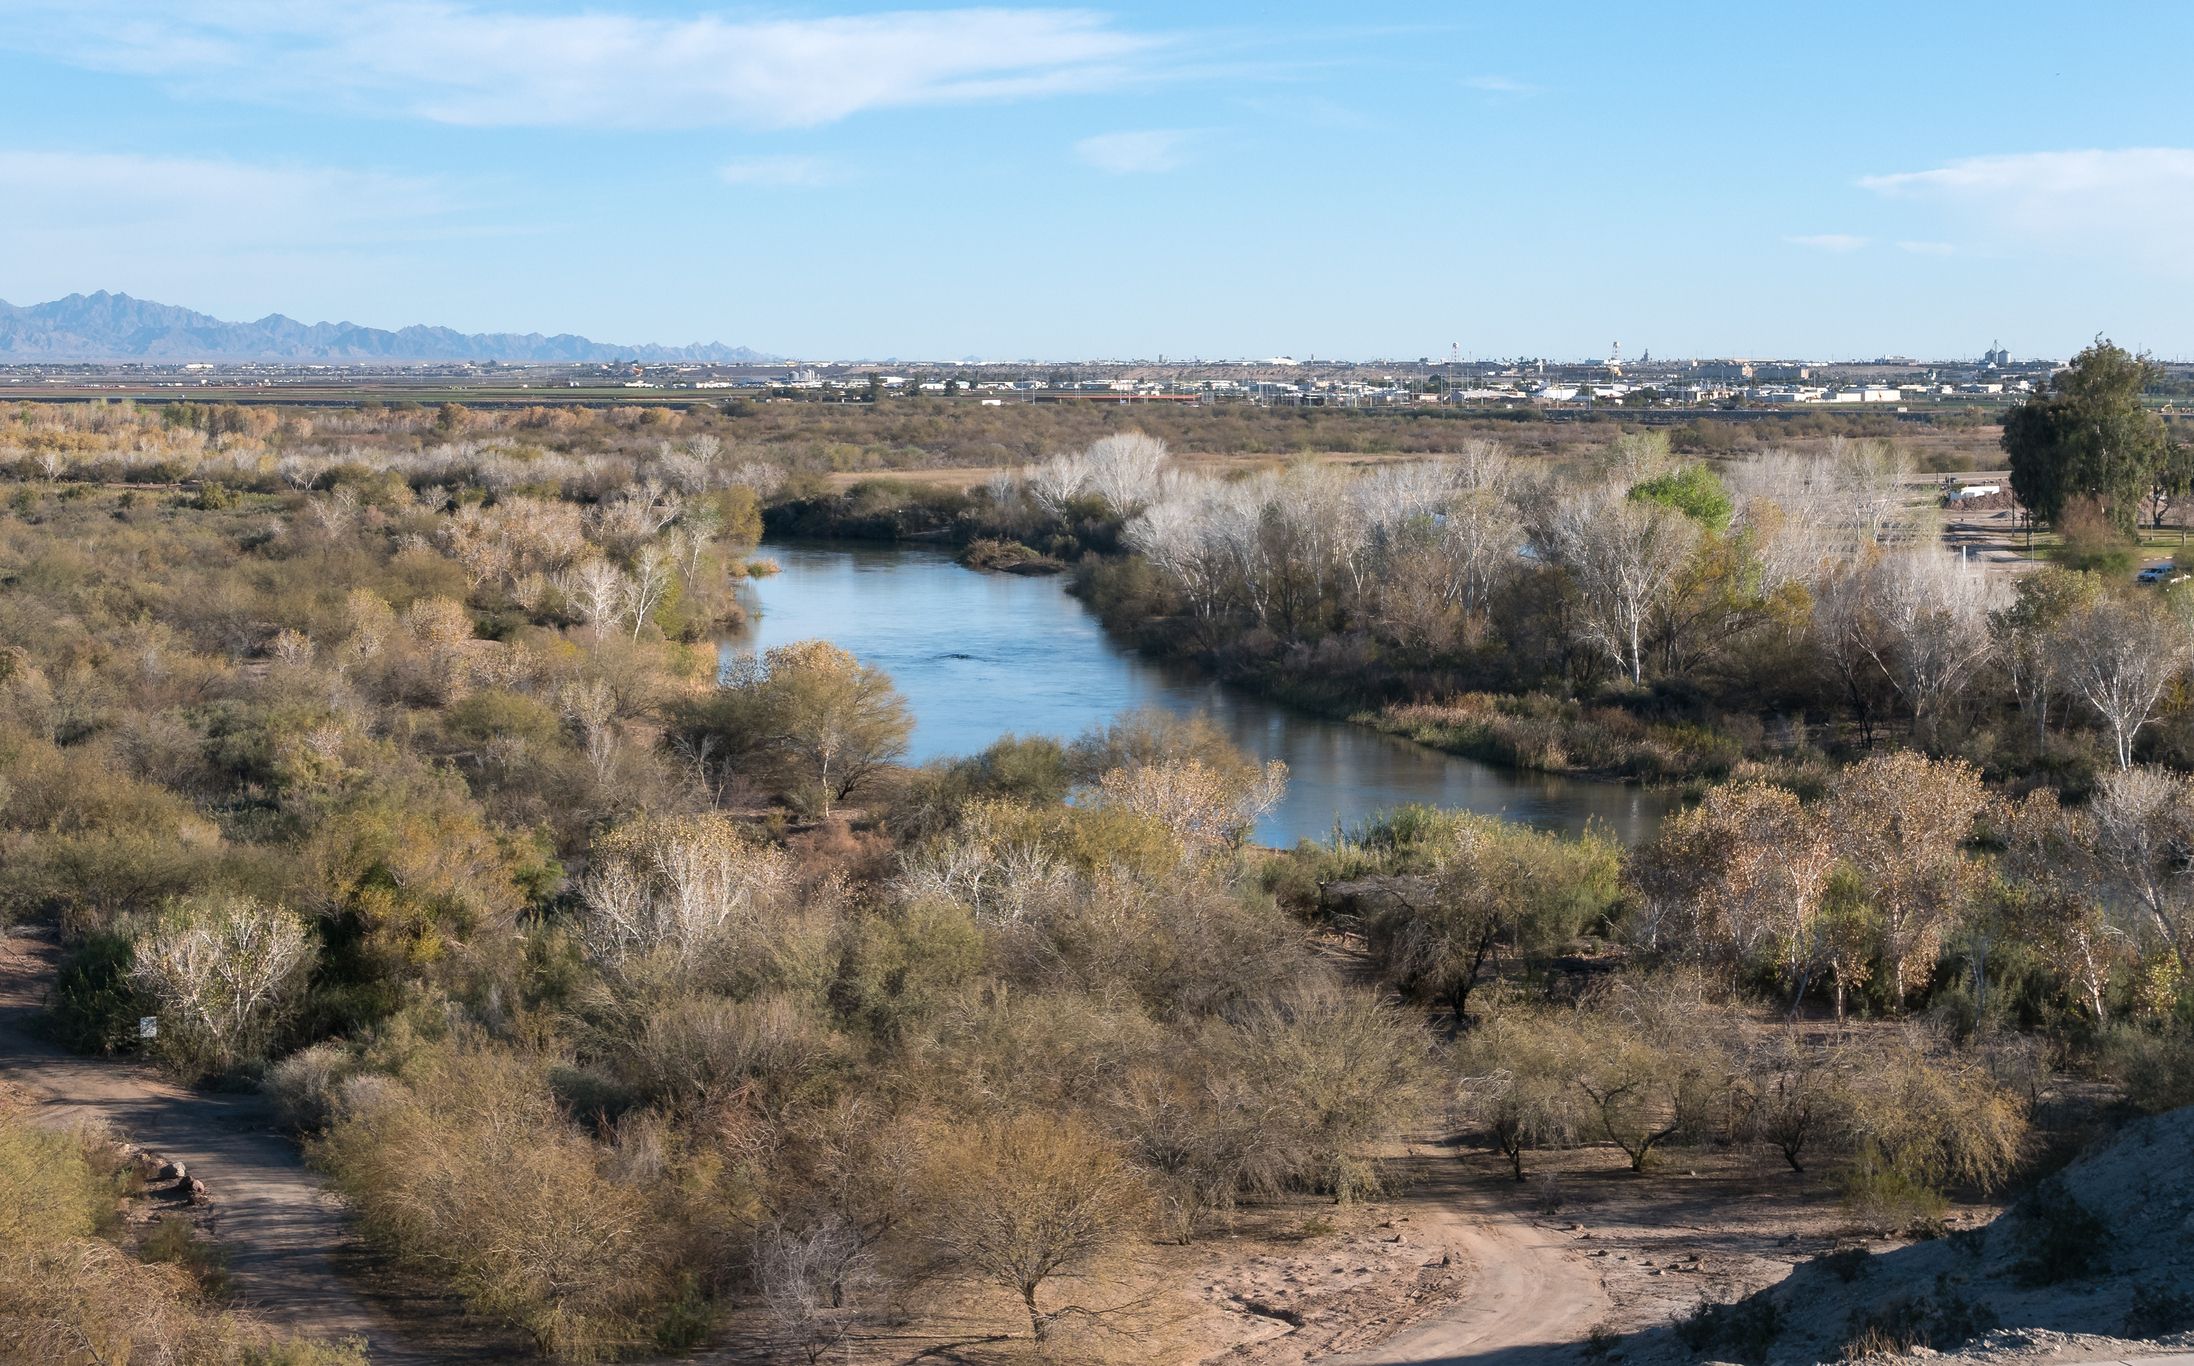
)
(1501, 85)
(481, 64)
(786, 172)
(1838, 243)
(200, 201)
(2129, 202)
(200, 229)
(1155, 149)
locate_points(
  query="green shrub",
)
(95, 1006)
(2065, 1241)
(1883, 1200)
(1745, 1330)
(2158, 1311)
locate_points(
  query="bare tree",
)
(646, 586)
(2140, 835)
(1930, 613)
(599, 592)
(1055, 482)
(1123, 470)
(1623, 557)
(222, 972)
(2030, 631)
(2120, 657)
(815, 1283)
(683, 886)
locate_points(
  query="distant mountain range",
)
(116, 327)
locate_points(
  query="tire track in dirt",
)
(1530, 1300)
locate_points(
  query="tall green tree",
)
(2088, 437)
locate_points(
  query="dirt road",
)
(284, 1234)
(1531, 1299)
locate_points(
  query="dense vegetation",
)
(385, 759)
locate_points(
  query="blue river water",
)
(980, 655)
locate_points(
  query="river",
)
(978, 655)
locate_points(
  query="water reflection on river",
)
(978, 655)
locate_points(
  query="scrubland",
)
(644, 1007)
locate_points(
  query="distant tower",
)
(1615, 358)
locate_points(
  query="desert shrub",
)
(1943, 1321)
(2155, 1066)
(1024, 1201)
(2159, 1310)
(1325, 1070)
(179, 1243)
(303, 1086)
(1650, 1061)
(1881, 1199)
(1516, 1082)
(467, 1167)
(1931, 1116)
(2062, 1239)
(1745, 1330)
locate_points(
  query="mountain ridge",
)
(104, 326)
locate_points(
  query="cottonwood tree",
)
(2120, 657)
(1869, 477)
(1623, 557)
(1123, 470)
(2139, 833)
(1930, 617)
(599, 592)
(652, 577)
(223, 973)
(2029, 630)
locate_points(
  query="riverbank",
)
(982, 655)
(1526, 732)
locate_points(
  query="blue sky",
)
(1121, 180)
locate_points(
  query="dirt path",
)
(1530, 1299)
(284, 1234)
